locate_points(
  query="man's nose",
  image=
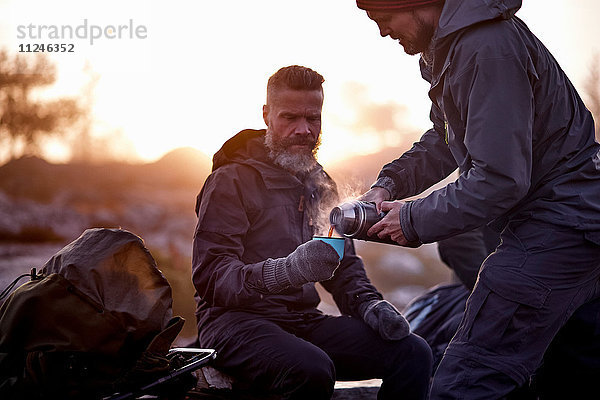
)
(384, 32)
(302, 127)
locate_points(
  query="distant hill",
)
(183, 157)
(183, 168)
(39, 180)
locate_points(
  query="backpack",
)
(436, 314)
(98, 320)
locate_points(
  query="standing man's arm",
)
(494, 95)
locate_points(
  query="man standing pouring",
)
(505, 113)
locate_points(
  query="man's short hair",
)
(294, 77)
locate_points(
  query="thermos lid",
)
(354, 218)
(348, 218)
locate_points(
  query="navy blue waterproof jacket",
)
(250, 210)
(507, 116)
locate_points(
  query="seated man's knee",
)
(310, 377)
(416, 356)
(408, 369)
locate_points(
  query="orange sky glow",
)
(193, 73)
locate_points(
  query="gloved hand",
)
(384, 319)
(313, 261)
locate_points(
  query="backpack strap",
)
(153, 361)
(163, 341)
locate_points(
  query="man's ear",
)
(266, 114)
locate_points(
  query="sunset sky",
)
(196, 72)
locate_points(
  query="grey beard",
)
(296, 163)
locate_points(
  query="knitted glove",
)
(313, 261)
(384, 319)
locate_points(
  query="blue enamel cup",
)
(336, 242)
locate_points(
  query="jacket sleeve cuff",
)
(388, 184)
(405, 222)
(275, 275)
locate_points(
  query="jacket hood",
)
(459, 14)
(247, 144)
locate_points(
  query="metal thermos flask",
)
(353, 219)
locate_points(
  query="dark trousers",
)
(571, 365)
(303, 360)
(526, 291)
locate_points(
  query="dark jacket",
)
(250, 210)
(506, 114)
